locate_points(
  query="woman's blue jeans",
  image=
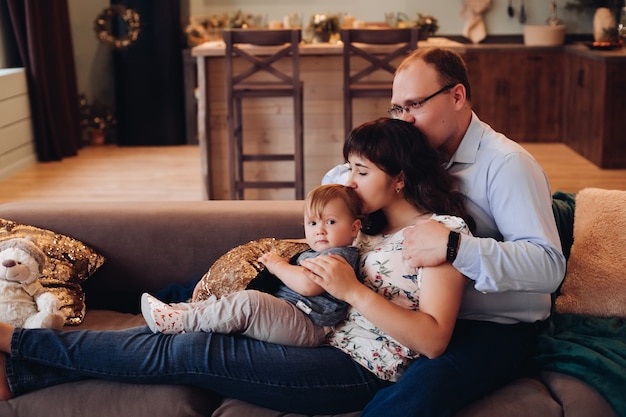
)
(480, 357)
(303, 380)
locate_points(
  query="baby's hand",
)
(271, 259)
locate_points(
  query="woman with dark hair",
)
(398, 314)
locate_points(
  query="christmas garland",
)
(128, 16)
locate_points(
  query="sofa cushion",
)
(595, 281)
(108, 320)
(577, 398)
(69, 262)
(94, 398)
(522, 397)
(236, 408)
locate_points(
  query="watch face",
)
(453, 246)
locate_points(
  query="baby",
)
(299, 312)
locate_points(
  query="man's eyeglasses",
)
(397, 111)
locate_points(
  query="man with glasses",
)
(514, 257)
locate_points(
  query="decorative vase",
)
(603, 20)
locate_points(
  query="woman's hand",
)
(334, 274)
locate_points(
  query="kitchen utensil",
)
(510, 10)
(522, 12)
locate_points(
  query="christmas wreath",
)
(104, 24)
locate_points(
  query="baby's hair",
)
(320, 196)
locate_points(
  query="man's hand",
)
(425, 244)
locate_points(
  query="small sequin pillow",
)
(234, 270)
(69, 263)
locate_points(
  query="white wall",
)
(94, 67)
(447, 12)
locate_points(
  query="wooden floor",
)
(110, 173)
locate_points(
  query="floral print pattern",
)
(384, 271)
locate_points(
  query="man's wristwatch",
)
(453, 246)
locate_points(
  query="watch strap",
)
(453, 246)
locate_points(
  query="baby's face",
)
(334, 227)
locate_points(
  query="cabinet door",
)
(518, 92)
(544, 97)
(594, 109)
(614, 135)
(488, 84)
(584, 106)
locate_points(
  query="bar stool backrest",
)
(257, 74)
(263, 59)
(378, 48)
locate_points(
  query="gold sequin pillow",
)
(69, 263)
(234, 270)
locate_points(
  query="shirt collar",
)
(468, 148)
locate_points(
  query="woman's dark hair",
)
(396, 147)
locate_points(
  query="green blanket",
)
(563, 207)
(590, 349)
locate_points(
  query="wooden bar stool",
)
(260, 51)
(360, 45)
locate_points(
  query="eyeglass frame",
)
(417, 104)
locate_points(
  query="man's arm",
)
(528, 255)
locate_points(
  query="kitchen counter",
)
(580, 49)
(216, 48)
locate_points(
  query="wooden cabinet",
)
(518, 91)
(595, 108)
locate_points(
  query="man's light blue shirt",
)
(514, 255)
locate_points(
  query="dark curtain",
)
(149, 83)
(44, 42)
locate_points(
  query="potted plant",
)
(427, 24)
(96, 120)
(324, 26)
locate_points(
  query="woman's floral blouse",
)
(384, 271)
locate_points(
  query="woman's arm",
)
(427, 331)
(293, 276)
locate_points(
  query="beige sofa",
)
(151, 245)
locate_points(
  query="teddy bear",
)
(23, 300)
